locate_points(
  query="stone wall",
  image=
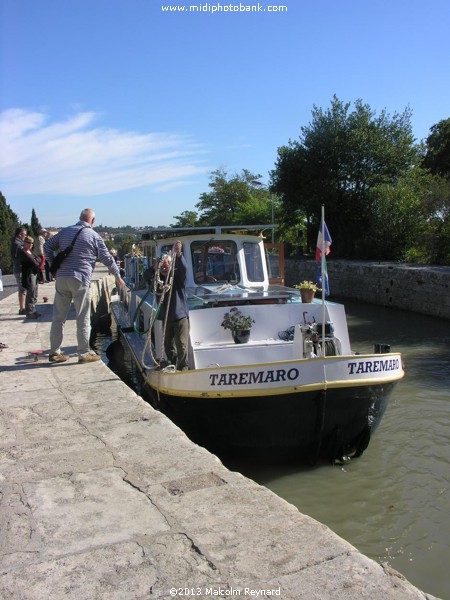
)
(418, 288)
(101, 289)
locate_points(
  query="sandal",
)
(3, 345)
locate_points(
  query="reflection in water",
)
(392, 503)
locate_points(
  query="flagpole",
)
(323, 279)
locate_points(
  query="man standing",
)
(48, 276)
(73, 283)
(39, 252)
(16, 255)
(174, 310)
(30, 271)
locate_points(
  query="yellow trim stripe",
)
(310, 387)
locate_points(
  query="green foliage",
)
(235, 320)
(125, 237)
(340, 158)
(9, 222)
(399, 216)
(188, 218)
(235, 200)
(437, 157)
(239, 199)
(307, 285)
(255, 209)
(438, 240)
(35, 225)
(292, 235)
(125, 245)
(417, 255)
(441, 249)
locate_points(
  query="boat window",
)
(275, 262)
(167, 249)
(150, 252)
(253, 261)
(215, 261)
(148, 267)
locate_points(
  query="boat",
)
(294, 389)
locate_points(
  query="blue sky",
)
(124, 107)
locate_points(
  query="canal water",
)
(393, 503)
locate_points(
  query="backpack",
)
(63, 254)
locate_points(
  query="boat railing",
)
(135, 267)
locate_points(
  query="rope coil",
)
(161, 287)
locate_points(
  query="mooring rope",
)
(165, 286)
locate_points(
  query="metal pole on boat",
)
(322, 258)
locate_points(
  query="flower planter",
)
(307, 296)
(241, 336)
(239, 324)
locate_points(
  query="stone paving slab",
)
(103, 498)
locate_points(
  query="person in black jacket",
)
(174, 310)
(30, 269)
(16, 255)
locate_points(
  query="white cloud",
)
(74, 157)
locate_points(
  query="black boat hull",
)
(310, 425)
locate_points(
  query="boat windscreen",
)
(253, 261)
(215, 261)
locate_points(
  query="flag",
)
(323, 245)
(323, 241)
(322, 277)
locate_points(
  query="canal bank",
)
(424, 289)
(103, 497)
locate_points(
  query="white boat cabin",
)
(230, 266)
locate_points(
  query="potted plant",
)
(239, 325)
(308, 290)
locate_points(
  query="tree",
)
(125, 245)
(340, 157)
(437, 157)
(437, 161)
(188, 218)
(35, 225)
(9, 222)
(231, 198)
(399, 226)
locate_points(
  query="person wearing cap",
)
(30, 269)
(73, 283)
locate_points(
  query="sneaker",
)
(22, 311)
(58, 358)
(34, 315)
(91, 357)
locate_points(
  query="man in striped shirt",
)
(73, 283)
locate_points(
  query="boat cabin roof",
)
(175, 232)
(225, 264)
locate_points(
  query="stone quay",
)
(104, 498)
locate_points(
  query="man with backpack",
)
(73, 283)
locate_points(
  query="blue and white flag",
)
(322, 249)
(323, 241)
(322, 277)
